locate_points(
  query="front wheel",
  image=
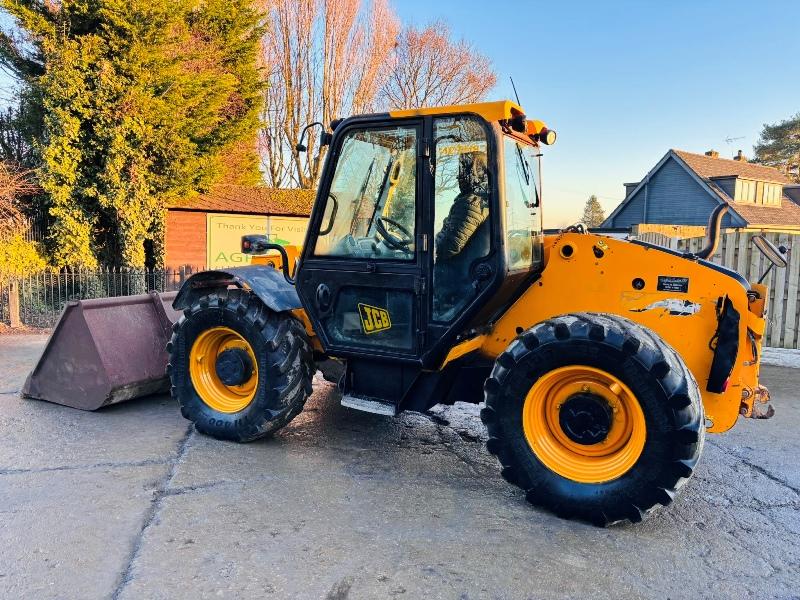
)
(595, 417)
(239, 370)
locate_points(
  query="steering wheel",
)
(398, 243)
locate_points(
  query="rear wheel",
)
(239, 370)
(595, 417)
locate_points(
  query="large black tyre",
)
(284, 359)
(663, 387)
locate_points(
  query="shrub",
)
(19, 257)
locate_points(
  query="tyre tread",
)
(654, 356)
(290, 361)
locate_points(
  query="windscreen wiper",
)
(360, 198)
(381, 195)
(524, 164)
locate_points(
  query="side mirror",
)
(325, 138)
(259, 244)
(776, 255)
(255, 244)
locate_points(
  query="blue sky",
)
(623, 81)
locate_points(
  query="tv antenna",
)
(730, 140)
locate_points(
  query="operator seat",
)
(463, 239)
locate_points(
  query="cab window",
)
(462, 193)
(521, 199)
(370, 212)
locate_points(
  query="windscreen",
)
(523, 223)
(371, 208)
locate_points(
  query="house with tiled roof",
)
(683, 188)
(205, 230)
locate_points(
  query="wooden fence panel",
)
(778, 284)
(736, 251)
(729, 243)
(660, 239)
(791, 339)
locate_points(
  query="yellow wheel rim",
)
(202, 369)
(603, 461)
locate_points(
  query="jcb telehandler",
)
(425, 278)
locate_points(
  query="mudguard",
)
(264, 281)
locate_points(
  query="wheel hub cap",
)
(223, 369)
(585, 419)
(584, 424)
(234, 366)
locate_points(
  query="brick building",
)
(204, 231)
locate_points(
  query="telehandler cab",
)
(425, 278)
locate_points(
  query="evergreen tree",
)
(593, 215)
(140, 102)
(779, 146)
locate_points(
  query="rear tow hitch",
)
(755, 404)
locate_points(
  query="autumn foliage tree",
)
(18, 255)
(15, 185)
(327, 59)
(428, 68)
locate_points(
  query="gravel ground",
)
(130, 502)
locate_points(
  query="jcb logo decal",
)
(374, 319)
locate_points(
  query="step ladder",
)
(369, 404)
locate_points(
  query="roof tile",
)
(785, 215)
(708, 167)
(251, 200)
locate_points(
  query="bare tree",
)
(274, 160)
(384, 27)
(342, 41)
(325, 59)
(15, 184)
(431, 69)
(291, 101)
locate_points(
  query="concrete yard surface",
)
(130, 502)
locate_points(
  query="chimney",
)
(740, 157)
(712, 154)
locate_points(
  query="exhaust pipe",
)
(712, 233)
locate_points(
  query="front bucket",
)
(105, 351)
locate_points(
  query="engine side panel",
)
(675, 297)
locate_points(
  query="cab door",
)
(361, 277)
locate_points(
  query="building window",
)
(772, 194)
(758, 192)
(745, 190)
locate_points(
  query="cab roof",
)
(500, 110)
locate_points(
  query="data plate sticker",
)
(673, 284)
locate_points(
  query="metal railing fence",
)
(42, 296)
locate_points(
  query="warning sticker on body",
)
(673, 284)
